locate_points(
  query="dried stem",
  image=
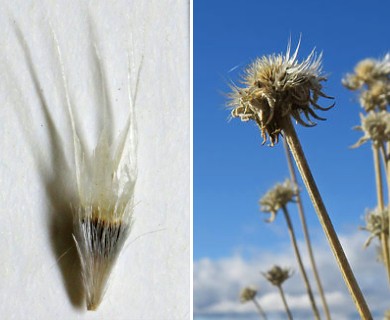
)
(290, 317)
(300, 263)
(386, 159)
(379, 189)
(315, 196)
(306, 231)
(260, 309)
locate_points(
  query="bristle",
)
(99, 239)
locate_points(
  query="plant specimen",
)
(377, 223)
(371, 78)
(275, 199)
(277, 275)
(276, 88)
(249, 294)
(106, 179)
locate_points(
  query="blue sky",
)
(231, 168)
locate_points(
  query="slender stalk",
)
(315, 196)
(379, 190)
(300, 263)
(387, 171)
(385, 157)
(290, 317)
(260, 309)
(306, 232)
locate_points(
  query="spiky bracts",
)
(276, 86)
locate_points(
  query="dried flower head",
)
(376, 223)
(376, 97)
(278, 197)
(387, 315)
(277, 86)
(375, 126)
(367, 72)
(247, 294)
(277, 275)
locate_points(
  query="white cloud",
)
(217, 283)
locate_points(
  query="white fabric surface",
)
(39, 267)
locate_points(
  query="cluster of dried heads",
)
(371, 78)
(275, 88)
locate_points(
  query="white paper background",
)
(152, 276)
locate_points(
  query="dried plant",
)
(375, 127)
(276, 88)
(276, 276)
(372, 79)
(278, 197)
(368, 72)
(275, 199)
(106, 178)
(376, 97)
(377, 222)
(249, 294)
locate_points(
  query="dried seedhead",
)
(376, 127)
(277, 275)
(377, 222)
(368, 72)
(377, 97)
(278, 197)
(372, 78)
(277, 86)
(247, 294)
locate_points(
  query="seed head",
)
(376, 223)
(247, 294)
(375, 126)
(277, 86)
(278, 197)
(277, 275)
(367, 72)
(377, 97)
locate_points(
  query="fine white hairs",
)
(106, 179)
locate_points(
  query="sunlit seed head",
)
(277, 86)
(277, 275)
(278, 197)
(377, 222)
(377, 97)
(365, 69)
(368, 72)
(376, 127)
(247, 294)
